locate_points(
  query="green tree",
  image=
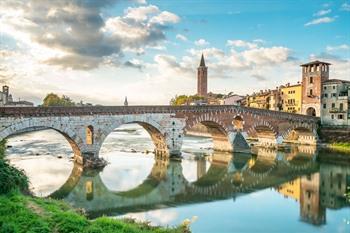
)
(54, 100)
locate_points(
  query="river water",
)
(298, 190)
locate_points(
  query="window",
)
(341, 106)
(333, 105)
(311, 92)
(333, 87)
(311, 80)
(89, 135)
(340, 116)
(324, 106)
(332, 116)
(325, 95)
(325, 88)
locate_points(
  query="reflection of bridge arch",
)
(31, 125)
(69, 185)
(301, 157)
(261, 164)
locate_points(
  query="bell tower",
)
(202, 78)
(313, 75)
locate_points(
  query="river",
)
(273, 191)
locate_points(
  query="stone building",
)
(291, 98)
(202, 78)
(313, 75)
(6, 99)
(335, 102)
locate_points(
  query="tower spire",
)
(202, 63)
(126, 101)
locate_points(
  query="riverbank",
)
(21, 212)
(340, 146)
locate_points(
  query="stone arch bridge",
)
(85, 128)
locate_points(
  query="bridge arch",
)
(219, 132)
(301, 133)
(31, 125)
(160, 135)
(264, 133)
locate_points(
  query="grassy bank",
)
(21, 212)
(340, 146)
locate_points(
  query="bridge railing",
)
(122, 110)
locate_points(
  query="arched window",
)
(90, 135)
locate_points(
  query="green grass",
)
(20, 213)
(340, 146)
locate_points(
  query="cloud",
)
(345, 6)
(241, 43)
(323, 12)
(201, 42)
(181, 37)
(75, 35)
(337, 48)
(320, 21)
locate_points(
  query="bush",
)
(12, 179)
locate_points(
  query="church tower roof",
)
(202, 61)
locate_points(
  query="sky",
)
(100, 51)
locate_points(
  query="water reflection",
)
(225, 191)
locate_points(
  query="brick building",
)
(313, 75)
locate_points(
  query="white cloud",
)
(201, 42)
(140, 13)
(241, 43)
(181, 37)
(164, 18)
(337, 48)
(77, 36)
(320, 21)
(323, 12)
(345, 7)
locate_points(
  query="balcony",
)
(337, 110)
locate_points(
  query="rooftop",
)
(338, 81)
(317, 62)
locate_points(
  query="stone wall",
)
(334, 134)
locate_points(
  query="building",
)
(268, 99)
(202, 78)
(6, 99)
(232, 99)
(291, 98)
(313, 75)
(335, 102)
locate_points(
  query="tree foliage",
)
(184, 99)
(54, 100)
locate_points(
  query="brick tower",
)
(202, 79)
(313, 75)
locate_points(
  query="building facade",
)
(6, 99)
(313, 75)
(291, 98)
(202, 79)
(268, 99)
(335, 102)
